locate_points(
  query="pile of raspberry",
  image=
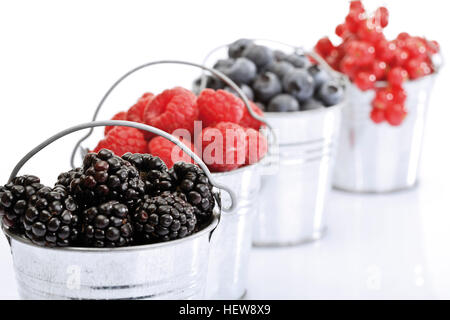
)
(218, 113)
(366, 56)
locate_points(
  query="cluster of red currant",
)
(366, 56)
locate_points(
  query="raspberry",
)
(219, 106)
(136, 112)
(224, 146)
(168, 151)
(256, 146)
(121, 140)
(248, 121)
(119, 116)
(172, 109)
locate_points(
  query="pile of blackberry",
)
(277, 81)
(110, 202)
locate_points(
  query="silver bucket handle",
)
(298, 49)
(216, 73)
(131, 124)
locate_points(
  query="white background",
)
(57, 58)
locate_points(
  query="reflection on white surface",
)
(375, 249)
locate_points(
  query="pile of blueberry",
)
(277, 81)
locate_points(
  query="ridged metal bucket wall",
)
(379, 157)
(294, 192)
(232, 240)
(173, 270)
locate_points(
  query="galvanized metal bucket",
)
(294, 188)
(171, 270)
(378, 157)
(293, 198)
(232, 240)
(231, 243)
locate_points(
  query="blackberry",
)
(165, 217)
(14, 197)
(65, 178)
(194, 184)
(107, 225)
(152, 171)
(51, 218)
(107, 177)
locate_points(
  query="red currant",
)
(377, 115)
(397, 76)
(401, 56)
(341, 30)
(416, 47)
(365, 80)
(382, 17)
(418, 68)
(354, 19)
(383, 98)
(403, 36)
(386, 50)
(379, 69)
(356, 5)
(399, 94)
(395, 114)
(433, 47)
(324, 46)
(362, 52)
(370, 32)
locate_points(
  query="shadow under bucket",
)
(294, 192)
(378, 158)
(232, 240)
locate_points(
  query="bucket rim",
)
(206, 230)
(323, 109)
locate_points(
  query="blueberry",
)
(223, 64)
(283, 103)
(279, 55)
(319, 75)
(280, 68)
(240, 71)
(330, 93)
(245, 88)
(236, 49)
(300, 84)
(298, 60)
(260, 55)
(211, 82)
(311, 104)
(265, 86)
